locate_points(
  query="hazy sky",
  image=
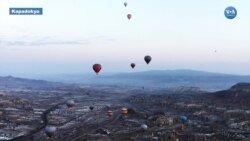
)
(74, 34)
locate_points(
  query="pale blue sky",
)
(74, 34)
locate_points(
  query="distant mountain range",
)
(154, 79)
(13, 82)
(175, 78)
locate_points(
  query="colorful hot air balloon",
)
(147, 59)
(50, 131)
(132, 65)
(129, 16)
(125, 4)
(109, 113)
(97, 68)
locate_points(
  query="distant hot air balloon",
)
(97, 68)
(91, 108)
(124, 111)
(50, 131)
(144, 127)
(147, 59)
(129, 16)
(70, 103)
(132, 65)
(183, 118)
(125, 4)
(109, 113)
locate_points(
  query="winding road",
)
(44, 117)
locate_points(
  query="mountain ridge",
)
(16, 82)
(153, 78)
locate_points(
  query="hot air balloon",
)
(144, 127)
(91, 108)
(184, 118)
(50, 131)
(70, 103)
(109, 113)
(125, 4)
(97, 68)
(124, 111)
(132, 65)
(129, 16)
(147, 59)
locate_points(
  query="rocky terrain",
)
(184, 113)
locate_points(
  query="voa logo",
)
(230, 12)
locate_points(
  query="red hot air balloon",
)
(132, 65)
(97, 68)
(129, 16)
(147, 59)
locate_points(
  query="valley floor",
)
(168, 116)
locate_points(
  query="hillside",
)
(14, 82)
(240, 91)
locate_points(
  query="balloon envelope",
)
(183, 118)
(50, 131)
(144, 127)
(91, 108)
(124, 111)
(97, 68)
(109, 113)
(129, 16)
(132, 65)
(70, 103)
(125, 4)
(147, 59)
